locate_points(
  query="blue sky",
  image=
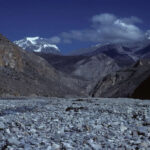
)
(72, 20)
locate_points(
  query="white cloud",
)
(147, 34)
(55, 40)
(104, 18)
(132, 20)
(108, 28)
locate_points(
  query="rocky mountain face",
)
(37, 44)
(129, 82)
(23, 73)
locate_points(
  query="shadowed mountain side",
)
(124, 83)
(84, 67)
(144, 53)
(23, 74)
(143, 90)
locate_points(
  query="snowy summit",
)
(37, 44)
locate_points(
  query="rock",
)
(144, 145)
(56, 146)
(147, 122)
(123, 128)
(13, 141)
(142, 130)
(67, 145)
(32, 130)
(2, 126)
(27, 147)
(49, 148)
(8, 131)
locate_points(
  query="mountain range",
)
(109, 70)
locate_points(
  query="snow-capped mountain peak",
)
(32, 39)
(38, 44)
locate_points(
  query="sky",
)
(75, 24)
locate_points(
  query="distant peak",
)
(38, 44)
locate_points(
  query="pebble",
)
(2, 126)
(55, 124)
(123, 128)
(13, 141)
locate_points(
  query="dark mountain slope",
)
(143, 90)
(144, 52)
(23, 74)
(63, 63)
(124, 83)
(85, 67)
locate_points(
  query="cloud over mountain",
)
(105, 28)
(54, 40)
(108, 28)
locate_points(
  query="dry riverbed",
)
(74, 124)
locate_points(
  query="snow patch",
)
(32, 39)
(50, 45)
(39, 49)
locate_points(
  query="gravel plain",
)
(74, 124)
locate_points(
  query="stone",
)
(145, 145)
(2, 126)
(123, 128)
(13, 141)
(55, 146)
(49, 148)
(142, 130)
(8, 131)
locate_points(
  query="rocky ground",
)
(74, 124)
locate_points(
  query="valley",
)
(74, 75)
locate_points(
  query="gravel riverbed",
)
(74, 124)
